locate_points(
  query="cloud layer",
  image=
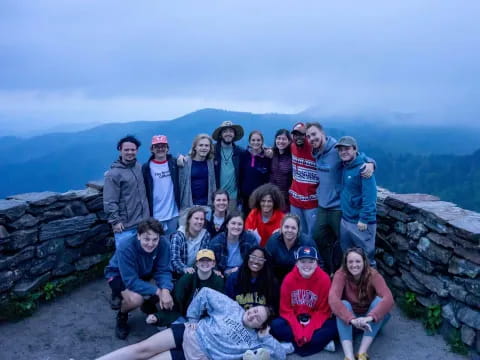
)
(97, 61)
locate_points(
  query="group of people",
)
(215, 243)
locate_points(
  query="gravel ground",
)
(81, 326)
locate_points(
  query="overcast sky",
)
(91, 61)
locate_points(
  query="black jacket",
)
(148, 180)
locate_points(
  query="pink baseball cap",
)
(159, 139)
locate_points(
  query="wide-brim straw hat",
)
(228, 124)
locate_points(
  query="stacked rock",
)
(432, 248)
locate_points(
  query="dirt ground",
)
(81, 326)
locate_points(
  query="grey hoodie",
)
(124, 195)
(222, 335)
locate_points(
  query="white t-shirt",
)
(164, 207)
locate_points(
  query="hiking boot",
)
(115, 302)
(149, 305)
(122, 329)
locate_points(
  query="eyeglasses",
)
(256, 258)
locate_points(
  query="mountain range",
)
(443, 161)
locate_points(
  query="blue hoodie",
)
(359, 195)
(329, 168)
(222, 334)
(133, 264)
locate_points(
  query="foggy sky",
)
(98, 61)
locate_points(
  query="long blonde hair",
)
(195, 142)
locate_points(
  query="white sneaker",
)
(330, 346)
(249, 355)
(263, 354)
(289, 349)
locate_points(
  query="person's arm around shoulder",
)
(369, 167)
(383, 292)
(335, 297)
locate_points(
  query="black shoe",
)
(149, 306)
(122, 329)
(115, 302)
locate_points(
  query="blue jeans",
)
(124, 235)
(281, 330)
(345, 330)
(350, 236)
(170, 226)
(307, 218)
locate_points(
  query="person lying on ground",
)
(226, 333)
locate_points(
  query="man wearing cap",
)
(227, 159)
(329, 169)
(160, 174)
(302, 193)
(124, 197)
(358, 201)
(305, 314)
(187, 287)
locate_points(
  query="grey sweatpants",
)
(350, 236)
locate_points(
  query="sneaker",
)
(249, 355)
(288, 346)
(115, 302)
(363, 356)
(149, 306)
(330, 346)
(122, 329)
(263, 354)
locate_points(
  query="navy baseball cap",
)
(306, 252)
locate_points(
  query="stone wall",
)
(46, 236)
(432, 248)
(424, 245)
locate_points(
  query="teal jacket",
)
(358, 196)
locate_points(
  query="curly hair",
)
(195, 142)
(128, 138)
(364, 282)
(264, 190)
(150, 224)
(265, 278)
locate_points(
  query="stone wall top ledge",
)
(37, 198)
(96, 184)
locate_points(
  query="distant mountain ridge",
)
(63, 161)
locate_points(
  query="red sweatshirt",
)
(305, 296)
(344, 289)
(265, 230)
(303, 191)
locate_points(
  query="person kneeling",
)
(134, 263)
(186, 288)
(360, 298)
(227, 332)
(305, 314)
